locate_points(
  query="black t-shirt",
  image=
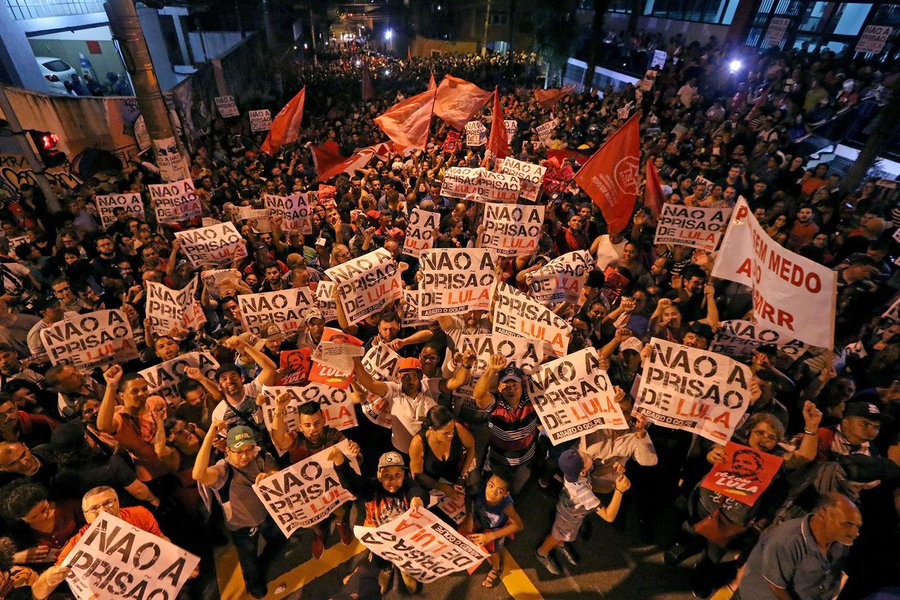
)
(112, 471)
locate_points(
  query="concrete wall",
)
(107, 61)
(217, 44)
(426, 47)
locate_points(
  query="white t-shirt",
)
(607, 252)
(408, 414)
(251, 391)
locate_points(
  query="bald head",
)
(836, 518)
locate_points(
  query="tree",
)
(882, 131)
(596, 40)
(554, 27)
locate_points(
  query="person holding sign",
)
(313, 437)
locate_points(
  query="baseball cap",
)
(228, 368)
(631, 343)
(270, 332)
(571, 464)
(867, 410)
(510, 373)
(409, 364)
(240, 437)
(701, 329)
(312, 313)
(373, 214)
(391, 459)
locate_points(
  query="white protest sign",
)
(737, 340)
(460, 182)
(381, 363)
(455, 281)
(790, 292)
(423, 226)
(283, 308)
(336, 405)
(167, 308)
(325, 300)
(114, 559)
(693, 390)
(573, 396)
(519, 316)
(545, 130)
(512, 229)
(217, 280)
(215, 246)
(530, 176)
(776, 30)
(260, 120)
(305, 493)
(171, 163)
(497, 187)
(422, 545)
(107, 204)
(262, 217)
(175, 202)
(659, 59)
(410, 308)
(563, 278)
(167, 375)
(366, 284)
(873, 38)
(511, 127)
(692, 226)
(454, 505)
(89, 340)
(226, 106)
(294, 211)
(476, 133)
(337, 355)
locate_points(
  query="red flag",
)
(498, 143)
(408, 122)
(431, 84)
(409, 54)
(329, 163)
(572, 155)
(366, 85)
(653, 194)
(286, 125)
(547, 98)
(457, 100)
(610, 177)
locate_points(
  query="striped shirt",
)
(513, 431)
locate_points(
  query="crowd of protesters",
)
(78, 442)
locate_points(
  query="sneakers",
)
(567, 555)
(547, 562)
(258, 589)
(318, 546)
(345, 533)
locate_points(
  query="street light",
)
(388, 34)
(735, 66)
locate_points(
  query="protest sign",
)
(423, 225)
(453, 505)
(530, 176)
(646, 85)
(573, 396)
(873, 38)
(512, 229)
(294, 211)
(511, 127)
(325, 300)
(175, 202)
(284, 308)
(563, 278)
(261, 217)
(692, 226)
(221, 282)
(167, 308)
(892, 314)
(497, 187)
(544, 131)
(791, 293)
(693, 390)
(338, 355)
(659, 59)
(305, 493)
(107, 204)
(366, 284)
(115, 559)
(423, 546)
(216, 246)
(381, 363)
(294, 366)
(519, 316)
(260, 120)
(410, 308)
(164, 378)
(776, 30)
(744, 474)
(336, 405)
(737, 339)
(476, 133)
(455, 281)
(89, 340)
(322, 373)
(451, 142)
(460, 182)
(226, 106)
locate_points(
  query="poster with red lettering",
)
(744, 474)
(320, 373)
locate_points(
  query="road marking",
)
(231, 582)
(516, 581)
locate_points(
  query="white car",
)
(55, 71)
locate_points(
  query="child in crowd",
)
(492, 518)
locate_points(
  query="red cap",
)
(409, 364)
(373, 214)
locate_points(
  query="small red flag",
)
(653, 194)
(498, 143)
(610, 177)
(285, 125)
(408, 121)
(549, 97)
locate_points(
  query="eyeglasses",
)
(245, 452)
(108, 505)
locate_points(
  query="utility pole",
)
(126, 28)
(34, 160)
(487, 23)
(267, 21)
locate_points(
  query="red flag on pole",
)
(457, 100)
(409, 53)
(431, 83)
(549, 97)
(653, 194)
(408, 122)
(610, 177)
(498, 143)
(329, 163)
(285, 125)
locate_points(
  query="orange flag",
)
(286, 125)
(329, 163)
(547, 98)
(653, 194)
(457, 100)
(408, 121)
(610, 176)
(498, 143)
(431, 83)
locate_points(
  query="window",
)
(704, 11)
(57, 66)
(36, 9)
(499, 17)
